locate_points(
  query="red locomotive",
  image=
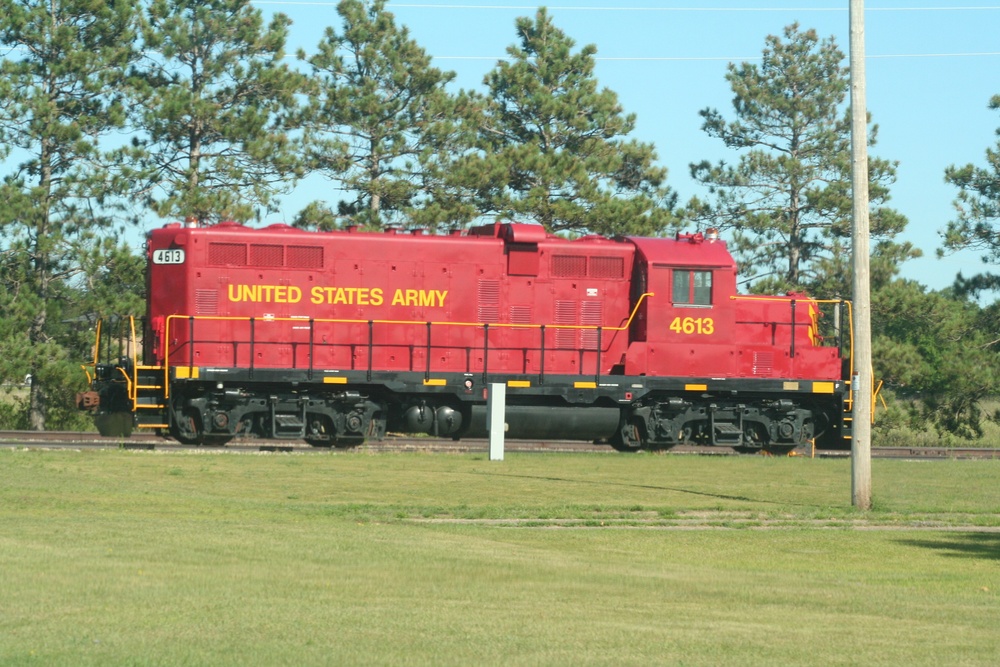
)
(337, 337)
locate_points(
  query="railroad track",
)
(90, 440)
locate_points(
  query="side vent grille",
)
(206, 302)
(489, 301)
(566, 315)
(520, 314)
(591, 314)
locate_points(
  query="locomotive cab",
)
(722, 368)
(688, 324)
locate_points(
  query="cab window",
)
(692, 287)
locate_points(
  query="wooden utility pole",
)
(861, 380)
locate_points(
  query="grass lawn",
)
(135, 558)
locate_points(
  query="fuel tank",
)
(550, 423)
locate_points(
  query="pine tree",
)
(939, 352)
(978, 205)
(58, 80)
(381, 124)
(553, 148)
(787, 202)
(214, 104)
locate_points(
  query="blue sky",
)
(932, 67)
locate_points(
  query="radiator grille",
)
(608, 268)
(304, 257)
(227, 254)
(267, 255)
(569, 266)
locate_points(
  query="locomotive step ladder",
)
(848, 430)
(847, 433)
(725, 433)
(148, 400)
(287, 425)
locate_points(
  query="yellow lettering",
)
(271, 293)
(247, 293)
(361, 296)
(413, 297)
(703, 326)
(354, 296)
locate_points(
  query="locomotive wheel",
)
(199, 438)
(183, 439)
(628, 438)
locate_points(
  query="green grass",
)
(135, 558)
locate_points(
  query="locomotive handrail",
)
(850, 313)
(97, 347)
(97, 354)
(129, 385)
(850, 334)
(484, 325)
(134, 386)
(509, 325)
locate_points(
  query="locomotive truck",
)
(338, 337)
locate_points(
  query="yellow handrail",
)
(223, 318)
(97, 346)
(509, 325)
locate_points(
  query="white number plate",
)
(169, 256)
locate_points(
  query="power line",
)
(403, 5)
(733, 58)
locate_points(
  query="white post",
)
(496, 407)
